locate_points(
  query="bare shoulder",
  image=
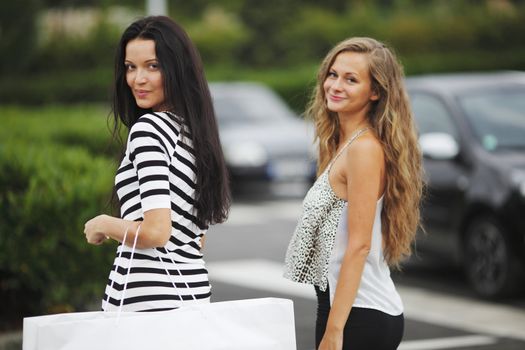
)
(366, 148)
(365, 160)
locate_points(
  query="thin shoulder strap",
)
(354, 136)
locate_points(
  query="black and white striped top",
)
(158, 171)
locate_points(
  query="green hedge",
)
(84, 126)
(48, 190)
(70, 87)
(93, 85)
(294, 84)
(453, 61)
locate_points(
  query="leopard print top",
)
(308, 254)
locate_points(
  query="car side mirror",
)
(438, 145)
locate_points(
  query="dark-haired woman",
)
(172, 181)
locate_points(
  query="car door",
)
(444, 200)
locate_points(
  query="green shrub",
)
(63, 52)
(267, 20)
(272, 42)
(312, 35)
(47, 194)
(48, 190)
(219, 36)
(18, 34)
(80, 86)
(453, 61)
(83, 126)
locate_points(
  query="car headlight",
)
(518, 179)
(246, 154)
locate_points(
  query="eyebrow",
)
(345, 73)
(148, 60)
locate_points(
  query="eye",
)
(331, 74)
(153, 66)
(351, 80)
(129, 67)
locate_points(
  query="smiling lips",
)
(335, 98)
(141, 93)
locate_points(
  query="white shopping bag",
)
(251, 324)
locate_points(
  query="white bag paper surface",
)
(250, 324)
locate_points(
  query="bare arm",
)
(364, 163)
(155, 230)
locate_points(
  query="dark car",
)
(472, 134)
(264, 142)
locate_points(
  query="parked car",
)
(264, 141)
(472, 135)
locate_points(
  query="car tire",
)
(491, 267)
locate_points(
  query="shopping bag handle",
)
(127, 273)
(105, 307)
(169, 274)
(129, 269)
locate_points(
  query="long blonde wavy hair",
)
(392, 120)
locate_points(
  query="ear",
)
(375, 95)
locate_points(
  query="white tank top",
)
(376, 290)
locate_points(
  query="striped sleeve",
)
(149, 151)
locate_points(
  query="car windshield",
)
(497, 117)
(238, 107)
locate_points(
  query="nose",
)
(337, 84)
(141, 76)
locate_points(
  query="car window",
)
(431, 115)
(248, 106)
(497, 117)
(229, 112)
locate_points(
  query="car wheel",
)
(492, 269)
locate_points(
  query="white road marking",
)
(257, 213)
(421, 305)
(447, 343)
(258, 274)
(461, 313)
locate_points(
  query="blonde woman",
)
(361, 215)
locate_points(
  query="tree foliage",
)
(17, 34)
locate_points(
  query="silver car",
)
(264, 142)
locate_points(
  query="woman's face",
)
(143, 74)
(348, 87)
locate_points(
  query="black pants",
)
(365, 329)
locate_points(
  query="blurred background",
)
(57, 162)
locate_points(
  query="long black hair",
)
(187, 93)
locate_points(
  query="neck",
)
(349, 127)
